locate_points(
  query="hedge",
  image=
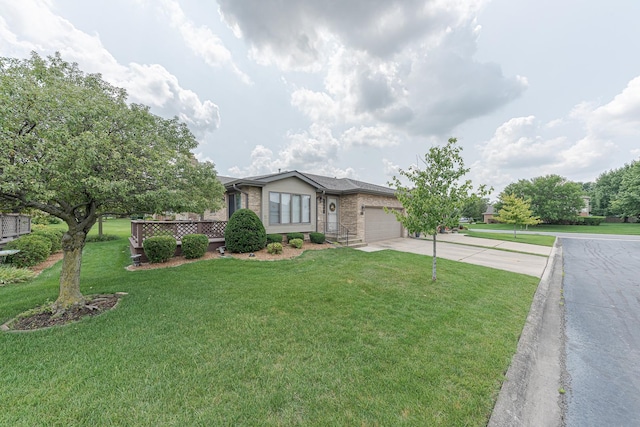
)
(316, 238)
(274, 238)
(33, 250)
(194, 245)
(291, 236)
(159, 248)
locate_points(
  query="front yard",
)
(335, 337)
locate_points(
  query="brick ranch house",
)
(294, 201)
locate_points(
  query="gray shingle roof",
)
(332, 185)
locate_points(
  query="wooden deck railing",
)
(141, 230)
(13, 226)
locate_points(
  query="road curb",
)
(530, 392)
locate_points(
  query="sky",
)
(363, 88)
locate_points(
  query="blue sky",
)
(360, 88)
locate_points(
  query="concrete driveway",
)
(529, 259)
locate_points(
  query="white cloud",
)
(370, 136)
(42, 30)
(313, 151)
(406, 63)
(200, 39)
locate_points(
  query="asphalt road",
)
(601, 290)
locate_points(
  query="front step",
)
(342, 241)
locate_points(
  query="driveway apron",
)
(602, 317)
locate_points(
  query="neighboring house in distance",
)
(488, 215)
(294, 201)
(586, 209)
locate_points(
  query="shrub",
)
(159, 248)
(291, 236)
(101, 238)
(274, 238)
(44, 218)
(194, 245)
(316, 238)
(593, 220)
(10, 274)
(245, 232)
(52, 235)
(33, 250)
(274, 248)
(296, 243)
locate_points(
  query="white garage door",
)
(379, 225)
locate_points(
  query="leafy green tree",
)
(73, 148)
(475, 207)
(605, 191)
(437, 195)
(516, 211)
(627, 201)
(553, 198)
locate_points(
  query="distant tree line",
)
(616, 192)
(556, 200)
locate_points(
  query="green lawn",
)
(604, 228)
(533, 239)
(335, 337)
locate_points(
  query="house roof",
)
(321, 183)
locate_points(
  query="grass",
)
(604, 228)
(532, 239)
(335, 337)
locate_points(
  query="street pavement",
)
(515, 257)
(602, 317)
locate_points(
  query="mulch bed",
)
(94, 305)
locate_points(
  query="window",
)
(235, 203)
(274, 208)
(286, 208)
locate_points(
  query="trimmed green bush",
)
(316, 238)
(33, 250)
(159, 248)
(291, 236)
(10, 274)
(244, 232)
(274, 238)
(194, 245)
(52, 235)
(593, 220)
(98, 238)
(296, 243)
(274, 248)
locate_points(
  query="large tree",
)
(73, 148)
(553, 198)
(515, 210)
(436, 194)
(627, 201)
(606, 189)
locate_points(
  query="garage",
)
(380, 225)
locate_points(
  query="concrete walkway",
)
(527, 259)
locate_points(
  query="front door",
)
(332, 215)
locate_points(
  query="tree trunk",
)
(70, 295)
(433, 268)
(514, 230)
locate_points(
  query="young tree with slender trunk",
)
(73, 148)
(516, 211)
(437, 195)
